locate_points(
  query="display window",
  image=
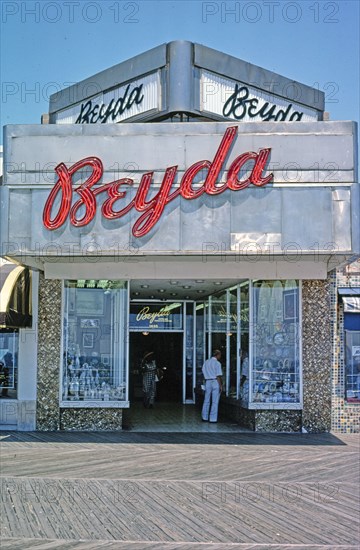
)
(9, 347)
(352, 366)
(244, 312)
(94, 371)
(275, 362)
(256, 326)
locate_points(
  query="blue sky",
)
(47, 44)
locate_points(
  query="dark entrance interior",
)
(168, 349)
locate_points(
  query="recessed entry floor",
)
(173, 417)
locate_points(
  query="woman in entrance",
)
(148, 369)
(213, 386)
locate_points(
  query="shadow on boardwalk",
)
(323, 439)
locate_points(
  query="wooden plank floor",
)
(179, 490)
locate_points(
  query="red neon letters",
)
(152, 209)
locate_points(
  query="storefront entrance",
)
(255, 325)
(168, 352)
(167, 329)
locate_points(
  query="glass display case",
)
(275, 376)
(94, 342)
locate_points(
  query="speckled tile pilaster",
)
(91, 419)
(49, 338)
(316, 356)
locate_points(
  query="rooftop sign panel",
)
(135, 98)
(186, 78)
(235, 100)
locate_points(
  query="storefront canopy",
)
(350, 298)
(349, 291)
(351, 305)
(15, 297)
(351, 301)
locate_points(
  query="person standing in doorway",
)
(148, 369)
(213, 387)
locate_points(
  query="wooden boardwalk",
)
(179, 491)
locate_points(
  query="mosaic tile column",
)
(49, 339)
(316, 335)
(345, 416)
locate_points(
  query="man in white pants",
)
(213, 386)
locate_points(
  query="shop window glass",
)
(189, 353)
(218, 328)
(9, 346)
(94, 341)
(233, 341)
(244, 344)
(259, 341)
(201, 349)
(352, 366)
(275, 360)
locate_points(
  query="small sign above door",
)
(160, 317)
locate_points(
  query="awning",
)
(15, 297)
(350, 298)
(351, 304)
(349, 291)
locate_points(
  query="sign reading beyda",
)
(126, 101)
(150, 209)
(92, 111)
(239, 101)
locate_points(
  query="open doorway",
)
(168, 349)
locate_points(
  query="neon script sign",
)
(150, 209)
